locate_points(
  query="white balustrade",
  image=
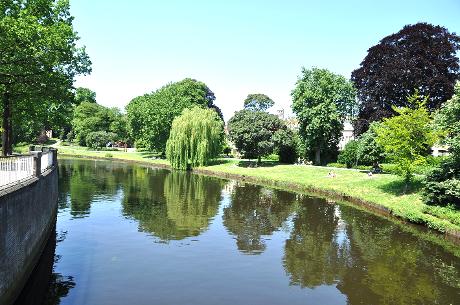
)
(15, 169)
(46, 161)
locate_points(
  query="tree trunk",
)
(318, 156)
(6, 125)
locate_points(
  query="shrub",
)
(442, 186)
(349, 154)
(99, 139)
(368, 150)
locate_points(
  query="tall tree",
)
(420, 56)
(150, 116)
(258, 102)
(196, 138)
(322, 101)
(39, 58)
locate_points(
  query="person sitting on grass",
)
(331, 175)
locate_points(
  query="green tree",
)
(99, 139)
(84, 95)
(150, 116)
(406, 137)
(322, 101)
(252, 132)
(286, 141)
(91, 117)
(349, 154)
(196, 138)
(443, 183)
(39, 58)
(258, 102)
(369, 151)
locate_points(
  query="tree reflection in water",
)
(255, 211)
(46, 287)
(365, 257)
(171, 205)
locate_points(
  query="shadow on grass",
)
(150, 154)
(398, 187)
(219, 161)
(246, 163)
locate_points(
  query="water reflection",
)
(255, 212)
(46, 287)
(84, 183)
(368, 260)
(313, 252)
(317, 251)
(171, 205)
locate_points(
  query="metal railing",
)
(18, 168)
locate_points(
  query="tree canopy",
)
(258, 102)
(150, 116)
(407, 137)
(252, 132)
(322, 101)
(196, 138)
(443, 183)
(91, 117)
(420, 56)
(84, 95)
(39, 58)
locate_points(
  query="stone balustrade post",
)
(54, 152)
(37, 163)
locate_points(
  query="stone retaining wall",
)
(27, 216)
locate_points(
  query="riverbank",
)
(383, 194)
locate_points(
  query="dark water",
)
(133, 235)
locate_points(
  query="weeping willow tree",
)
(195, 139)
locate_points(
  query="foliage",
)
(322, 101)
(150, 116)
(285, 141)
(258, 102)
(443, 183)
(196, 138)
(369, 151)
(405, 137)
(420, 56)
(39, 62)
(84, 95)
(349, 154)
(92, 117)
(252, 132)
(99, 139)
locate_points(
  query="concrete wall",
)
(27, 216)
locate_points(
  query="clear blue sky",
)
(235, 47)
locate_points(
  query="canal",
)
(127, 234)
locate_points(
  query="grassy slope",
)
(383, 190)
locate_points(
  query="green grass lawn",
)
(385, 190)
